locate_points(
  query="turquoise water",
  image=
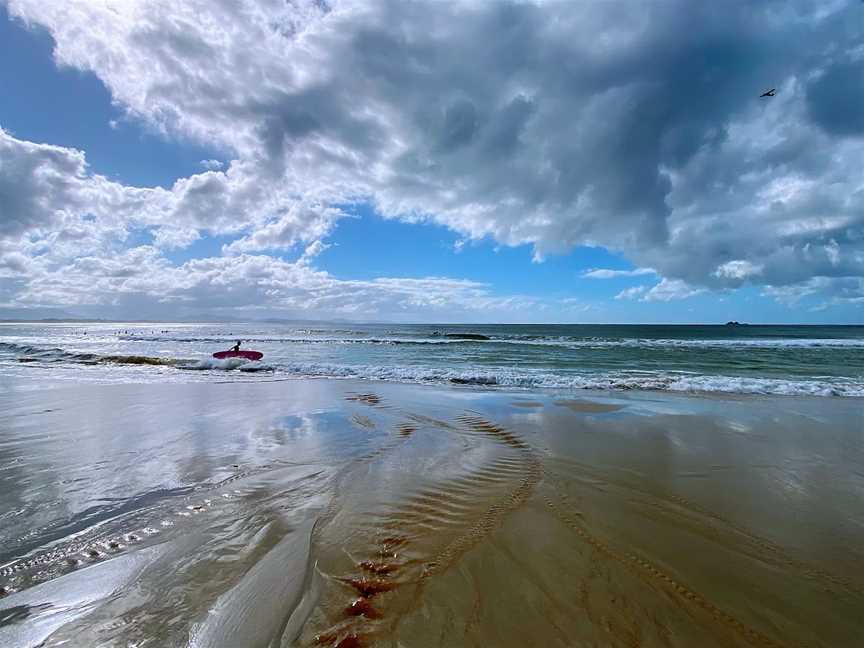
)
(816, 360)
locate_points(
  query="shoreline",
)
(158, 369)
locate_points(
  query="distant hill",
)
(60, 315)
(36, 314)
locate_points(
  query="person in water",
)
(236, 347)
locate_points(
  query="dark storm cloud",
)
(836, 99)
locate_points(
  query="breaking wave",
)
(563, 342)
(509, 377)
(26, 353)
(227, 364)
(670, 381)
(31, 354)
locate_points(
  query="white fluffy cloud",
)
(47, 189)
(48, 194)
(669, 289)
(605, 273)
(301, 222)
(66, 247)
(632, 293)
(250, 283)
(549, 124)
(738, 270)
(666, 290)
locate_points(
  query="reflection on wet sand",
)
(588, 406)
(423, 533)
(409, 516)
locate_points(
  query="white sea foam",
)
(228, 364)
(678, 382)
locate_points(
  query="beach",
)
(289, 512)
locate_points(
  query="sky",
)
(448, 161)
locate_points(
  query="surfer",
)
(236, 347)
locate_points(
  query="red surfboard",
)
(249, 355)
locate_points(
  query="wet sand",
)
(341, 513)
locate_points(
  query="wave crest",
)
(516, 377)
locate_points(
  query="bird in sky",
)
(768, 93)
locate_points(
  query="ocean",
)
(786, 360)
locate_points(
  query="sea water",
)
(794, 360)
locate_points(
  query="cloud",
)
(574, 123)
(575, 304)
(40, 185)
(211, 165)
(835, 97)
(48, 194)
(834, 291)
(299, 222)
(671, 289)
(738, 270)
(604, 273)
(13, 264)
(245, 283)
(666, 290)
(313, 250)
(67, 247)
(632, 293)
(168, 237)
(790, 295)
